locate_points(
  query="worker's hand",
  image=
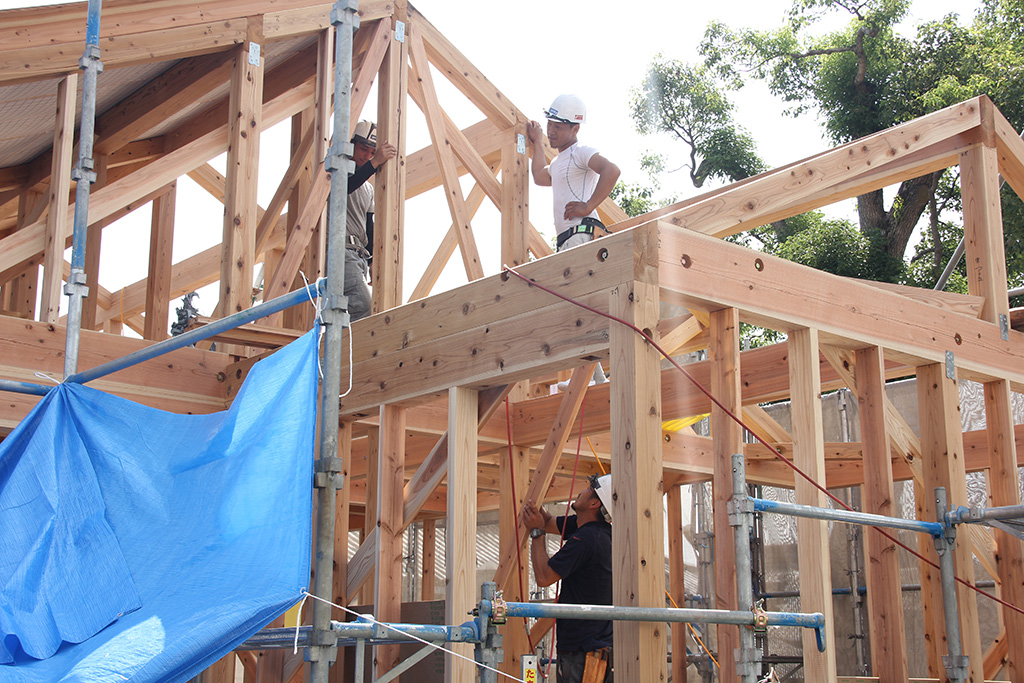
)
(383, 153)
(576, 210)
(534, 517)
(533, 132)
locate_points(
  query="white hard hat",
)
(366, 133)
(603, 488)
(567, 109)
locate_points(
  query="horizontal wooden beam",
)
(709, 273)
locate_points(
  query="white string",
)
(409, 635)
(349, 390)
(43, 375)
(318, 307)
(298, 623)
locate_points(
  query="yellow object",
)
(683, 423)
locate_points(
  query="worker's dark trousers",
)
(571, 666)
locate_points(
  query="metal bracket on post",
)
(1004, 327)
(328, 472)
(950, 365)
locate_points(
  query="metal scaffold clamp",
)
(740, 506)
(760, 617)
(956, 667)
(328, 471)
(345, 12)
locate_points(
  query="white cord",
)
(43, 375)
(409, 635)
(349, 390)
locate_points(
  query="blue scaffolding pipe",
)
(24, 387)
(933, 529)
(201, 333)
(349, 632)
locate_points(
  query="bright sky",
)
(532, 50)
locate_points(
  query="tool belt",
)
(586, 226)
(352, 243)
(596, 667)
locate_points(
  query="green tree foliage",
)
(869, 75)
(685, 102)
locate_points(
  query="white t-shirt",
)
(572, 180)
(360, 203)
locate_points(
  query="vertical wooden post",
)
(885, 602)
(460, 534)
(812, 535)
(158, 284)
(221, 671)
(724, 350)
(387, 602)
(676, 569)
(341, 529)
(245, 116)
(389, 188)
(638, 547)
(983, 230)
(57, 226)
(1003, 481)
(942, 451)
(20, 291)
(370, 509)
(428, 572)
(296, 317)
(515, 474)
(515, 198)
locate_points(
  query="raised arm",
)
(538, 165)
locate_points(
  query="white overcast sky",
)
(532, 50)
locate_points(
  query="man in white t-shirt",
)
(579, 177)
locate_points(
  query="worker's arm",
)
(534, 517)
(363, 173)
(542, 571)
(538, 165)
(608, 175)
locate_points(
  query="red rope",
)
(740, 422)
(512, 476)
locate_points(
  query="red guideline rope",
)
(740, 422)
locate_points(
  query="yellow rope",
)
(693, 632)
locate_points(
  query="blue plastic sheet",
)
(142, 545)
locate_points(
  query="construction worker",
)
(584, 566)
(579, 177)
(359, 224)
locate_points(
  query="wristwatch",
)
(537, 533)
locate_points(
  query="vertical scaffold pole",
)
(84, 175)
(323, 650)
(955, 663)
(741, 509)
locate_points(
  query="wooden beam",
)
(983, 231)
(724, 350)
(515, 207)
(1003, 478)
(942, 445)
(676, 571)
(389, 184)
(387, 597)
(558, 434)
(158, 284)
(445, 155)
(848, 314)
(460, 526)
(885, 602)
(244, 124)
(58, 221)
(638, 548)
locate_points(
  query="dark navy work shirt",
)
(585, 565)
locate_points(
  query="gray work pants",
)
(356, 272)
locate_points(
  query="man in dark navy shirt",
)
(584, 566)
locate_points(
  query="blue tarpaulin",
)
(142, 545)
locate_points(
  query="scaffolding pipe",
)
(828, 514)
(956, 663)
(748, 657)
(84, 176)
(978, 515)
(329, 466)
(192, 336)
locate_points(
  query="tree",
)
(861, 79)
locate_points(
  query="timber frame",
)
(423, 431)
